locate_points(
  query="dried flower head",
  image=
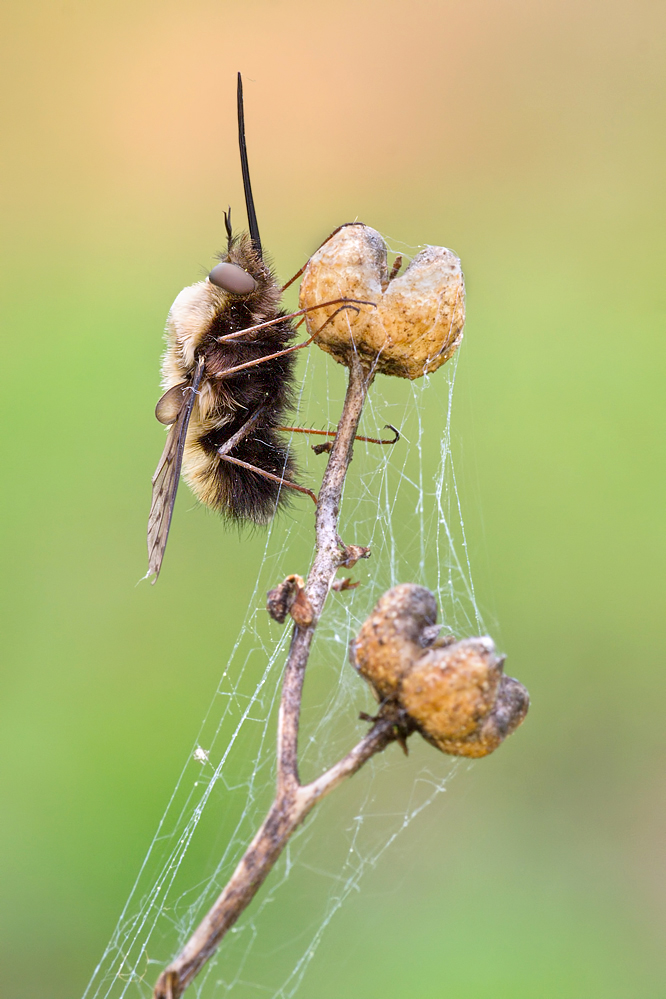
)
(448, 691)
(418, 321)
(396, 633)
(460, 700)
(454, 693)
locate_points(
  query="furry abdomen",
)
(230, 489)
(235, 492)
(200, 315)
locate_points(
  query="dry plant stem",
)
(292, 801)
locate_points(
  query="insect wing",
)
(166, 477)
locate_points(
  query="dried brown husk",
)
(418, 319)
(460, 700)
(395, 634)
(454, 693)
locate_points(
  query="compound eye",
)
(232, 278)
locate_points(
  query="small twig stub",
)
(280, 601)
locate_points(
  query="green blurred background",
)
(528, 136)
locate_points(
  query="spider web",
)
(403, 502)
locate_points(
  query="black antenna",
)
(227, 226)
(247, 187)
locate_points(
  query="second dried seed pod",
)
(460, 699)
(454, 693)
(400, 627)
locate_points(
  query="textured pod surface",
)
(400, 627)
(507, 714)
(460, 700)
(418, 321)
(454, 693)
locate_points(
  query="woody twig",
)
(293, 800)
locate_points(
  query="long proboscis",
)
(247, 187)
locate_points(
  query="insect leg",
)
(289, 350)
(241, 434)
(223, 453)
(268, 475)
(334, 233)
(332, 433)
(293, 315)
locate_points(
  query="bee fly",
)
(228, 376)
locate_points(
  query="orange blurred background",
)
(527, 136)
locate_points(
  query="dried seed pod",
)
(418, 321)
(460, 700)
(395, 634)
(454, 693)
(507, 714)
